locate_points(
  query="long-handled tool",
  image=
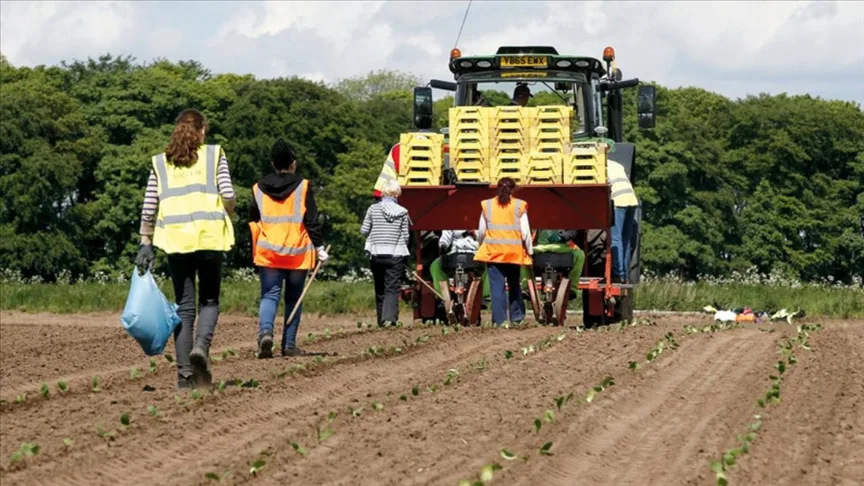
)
(308, 284)
(427, 285)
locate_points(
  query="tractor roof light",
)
(609, 54)
(455, 52)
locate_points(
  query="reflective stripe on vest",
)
(191, 216)
(390, 170)
(623, 194)
(280, 239)
(503, 240)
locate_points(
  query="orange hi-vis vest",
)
(279, 239)
(503, 240)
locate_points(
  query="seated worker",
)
(521, 95)
(559, 241)
(455, 242)
(477, 98)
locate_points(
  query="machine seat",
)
(452, 261)
(563, 262)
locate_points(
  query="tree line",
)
(772, 182)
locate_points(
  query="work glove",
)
(145, 258)
(322, 254)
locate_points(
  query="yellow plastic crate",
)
(511, 118)
(469, 120)
(471, 169)
(508, 165)
(550, 145)
(586, 164)
(420, 158)
(552, 115)
(539, 168)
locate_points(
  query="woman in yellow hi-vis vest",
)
(186, 211)
(505, 245)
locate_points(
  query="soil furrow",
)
(817, 431)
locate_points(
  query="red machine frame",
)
(550, 206)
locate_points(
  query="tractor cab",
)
(540, 117)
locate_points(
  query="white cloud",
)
(734, 48)
(48, 32)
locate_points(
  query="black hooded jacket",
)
(281, 185)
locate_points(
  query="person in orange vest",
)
(504, 236)
(286, 239)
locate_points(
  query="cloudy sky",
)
(734, 48)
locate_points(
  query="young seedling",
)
(62, 386)
(538, 424)
(69, 442)
(300, 450)
(415, 390)
(153, 365)
(256, 467)
(507, 455)
(216, 477)
(26, 450)
(544, 449)
(378, 406)
(152, 410)
(103, 434)
(134, 374)
(403, 397)
(21, 398)
(634, 365)
(452, 374)
(549, 416)
(508, 354)
(488, 472)
(94, 384)
(323, 434)
(45, 391)
(196, 395)
(356, 412)
(125, 420)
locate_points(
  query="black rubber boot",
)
(200, 359)
(265, 346)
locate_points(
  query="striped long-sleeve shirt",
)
(151, 195)
(386, 228)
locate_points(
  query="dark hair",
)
(505, 189)
(182, 150)
(282, 155)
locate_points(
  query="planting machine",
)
(553, 152)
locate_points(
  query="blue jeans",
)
(622, 232)
(499, 273)
(271, 289)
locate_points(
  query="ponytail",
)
(505, 190)
(187, 137)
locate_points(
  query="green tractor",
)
(590, 90)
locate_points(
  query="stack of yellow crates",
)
(549, 141)
(420, 158)
(511, 138)
(586, 164)
(469, 143)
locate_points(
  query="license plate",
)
(524, 61)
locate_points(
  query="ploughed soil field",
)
(665, 401)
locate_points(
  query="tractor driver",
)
(453, 242)
(521, 95)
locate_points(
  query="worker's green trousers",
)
(438, 275)
(575, 273)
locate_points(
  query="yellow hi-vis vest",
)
(389, 171)
(622, 191)
(191, 215)
(503, 240)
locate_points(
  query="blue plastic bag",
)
(148, 316)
